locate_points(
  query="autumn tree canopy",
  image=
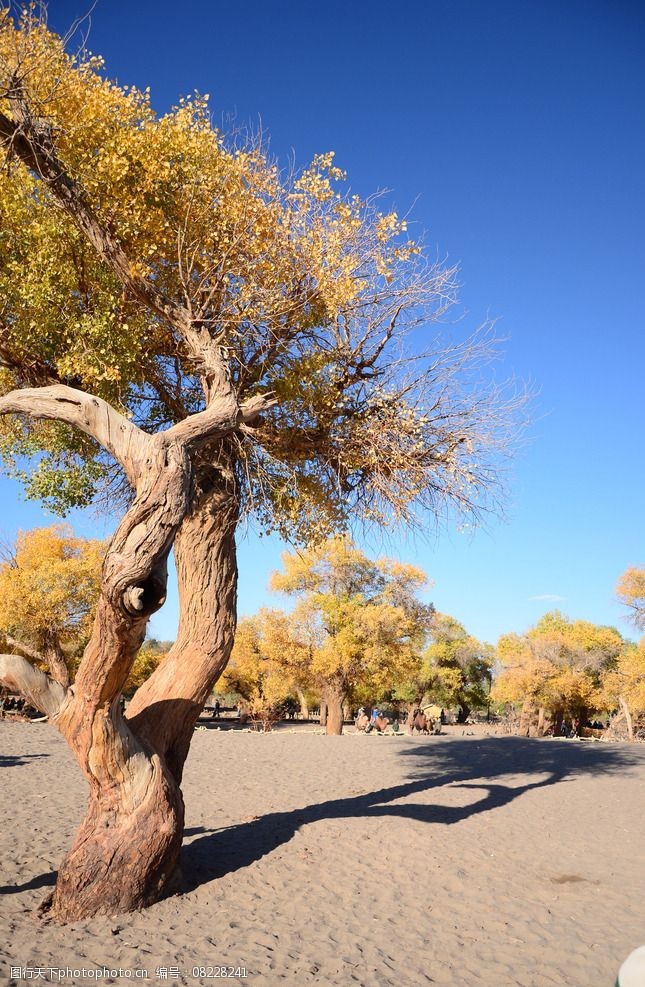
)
(631, 592)
(358, 623)
(555, 670)
(49, 586)
(187, 325)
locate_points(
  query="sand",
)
(457, 860)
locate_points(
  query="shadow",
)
(14, 760)
(478, 765)
(42, 881)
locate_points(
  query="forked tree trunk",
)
(334, 699)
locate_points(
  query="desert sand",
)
(458, 860)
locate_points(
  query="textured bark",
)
(624, 705)
(41, 691)
(55, 659)
(127, 847)
(334, 698)
(165, 708)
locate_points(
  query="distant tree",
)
(631, 591)
(49, 588)
(147, 661)
(359, 622)
(260, 669)
(623, 686)
(554, 671)
(205, 335)
(457, 667)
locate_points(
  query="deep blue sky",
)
(516, 132)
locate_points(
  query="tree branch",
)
(30, 139)
(42, 692)
(25, 648)
(127, 443)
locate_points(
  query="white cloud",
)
(549, 597)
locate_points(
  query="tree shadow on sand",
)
(486, 765)
(14, 760)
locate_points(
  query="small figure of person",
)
(362, 720)
(216, 709)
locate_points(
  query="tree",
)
(205, 336)
(555, 669)
(49, 586)
(623, 686)
(259, 669)
(358, 622)
(458, 668)
(631, 591)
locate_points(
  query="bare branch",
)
(25, 648)
(123, 440)
(40, 690)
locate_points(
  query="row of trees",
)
(358, 634)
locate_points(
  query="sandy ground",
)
(457, 860)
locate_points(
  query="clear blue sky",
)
(516, 132)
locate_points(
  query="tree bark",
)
(334, 698)
(127, 847)
(55, 659)
(624, 705)
(164, 710)
(304, 708)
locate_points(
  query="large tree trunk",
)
(528, 718)
(164, 710)
(334, 698)
(127, 847)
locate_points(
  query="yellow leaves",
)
(50, 586)
(561, 663)
(630, 590)
(358, 618)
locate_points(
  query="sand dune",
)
(456, 860)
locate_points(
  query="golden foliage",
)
(559, 664)
(311, 291)
(631, 591)
(49, 587)
(358, 622)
